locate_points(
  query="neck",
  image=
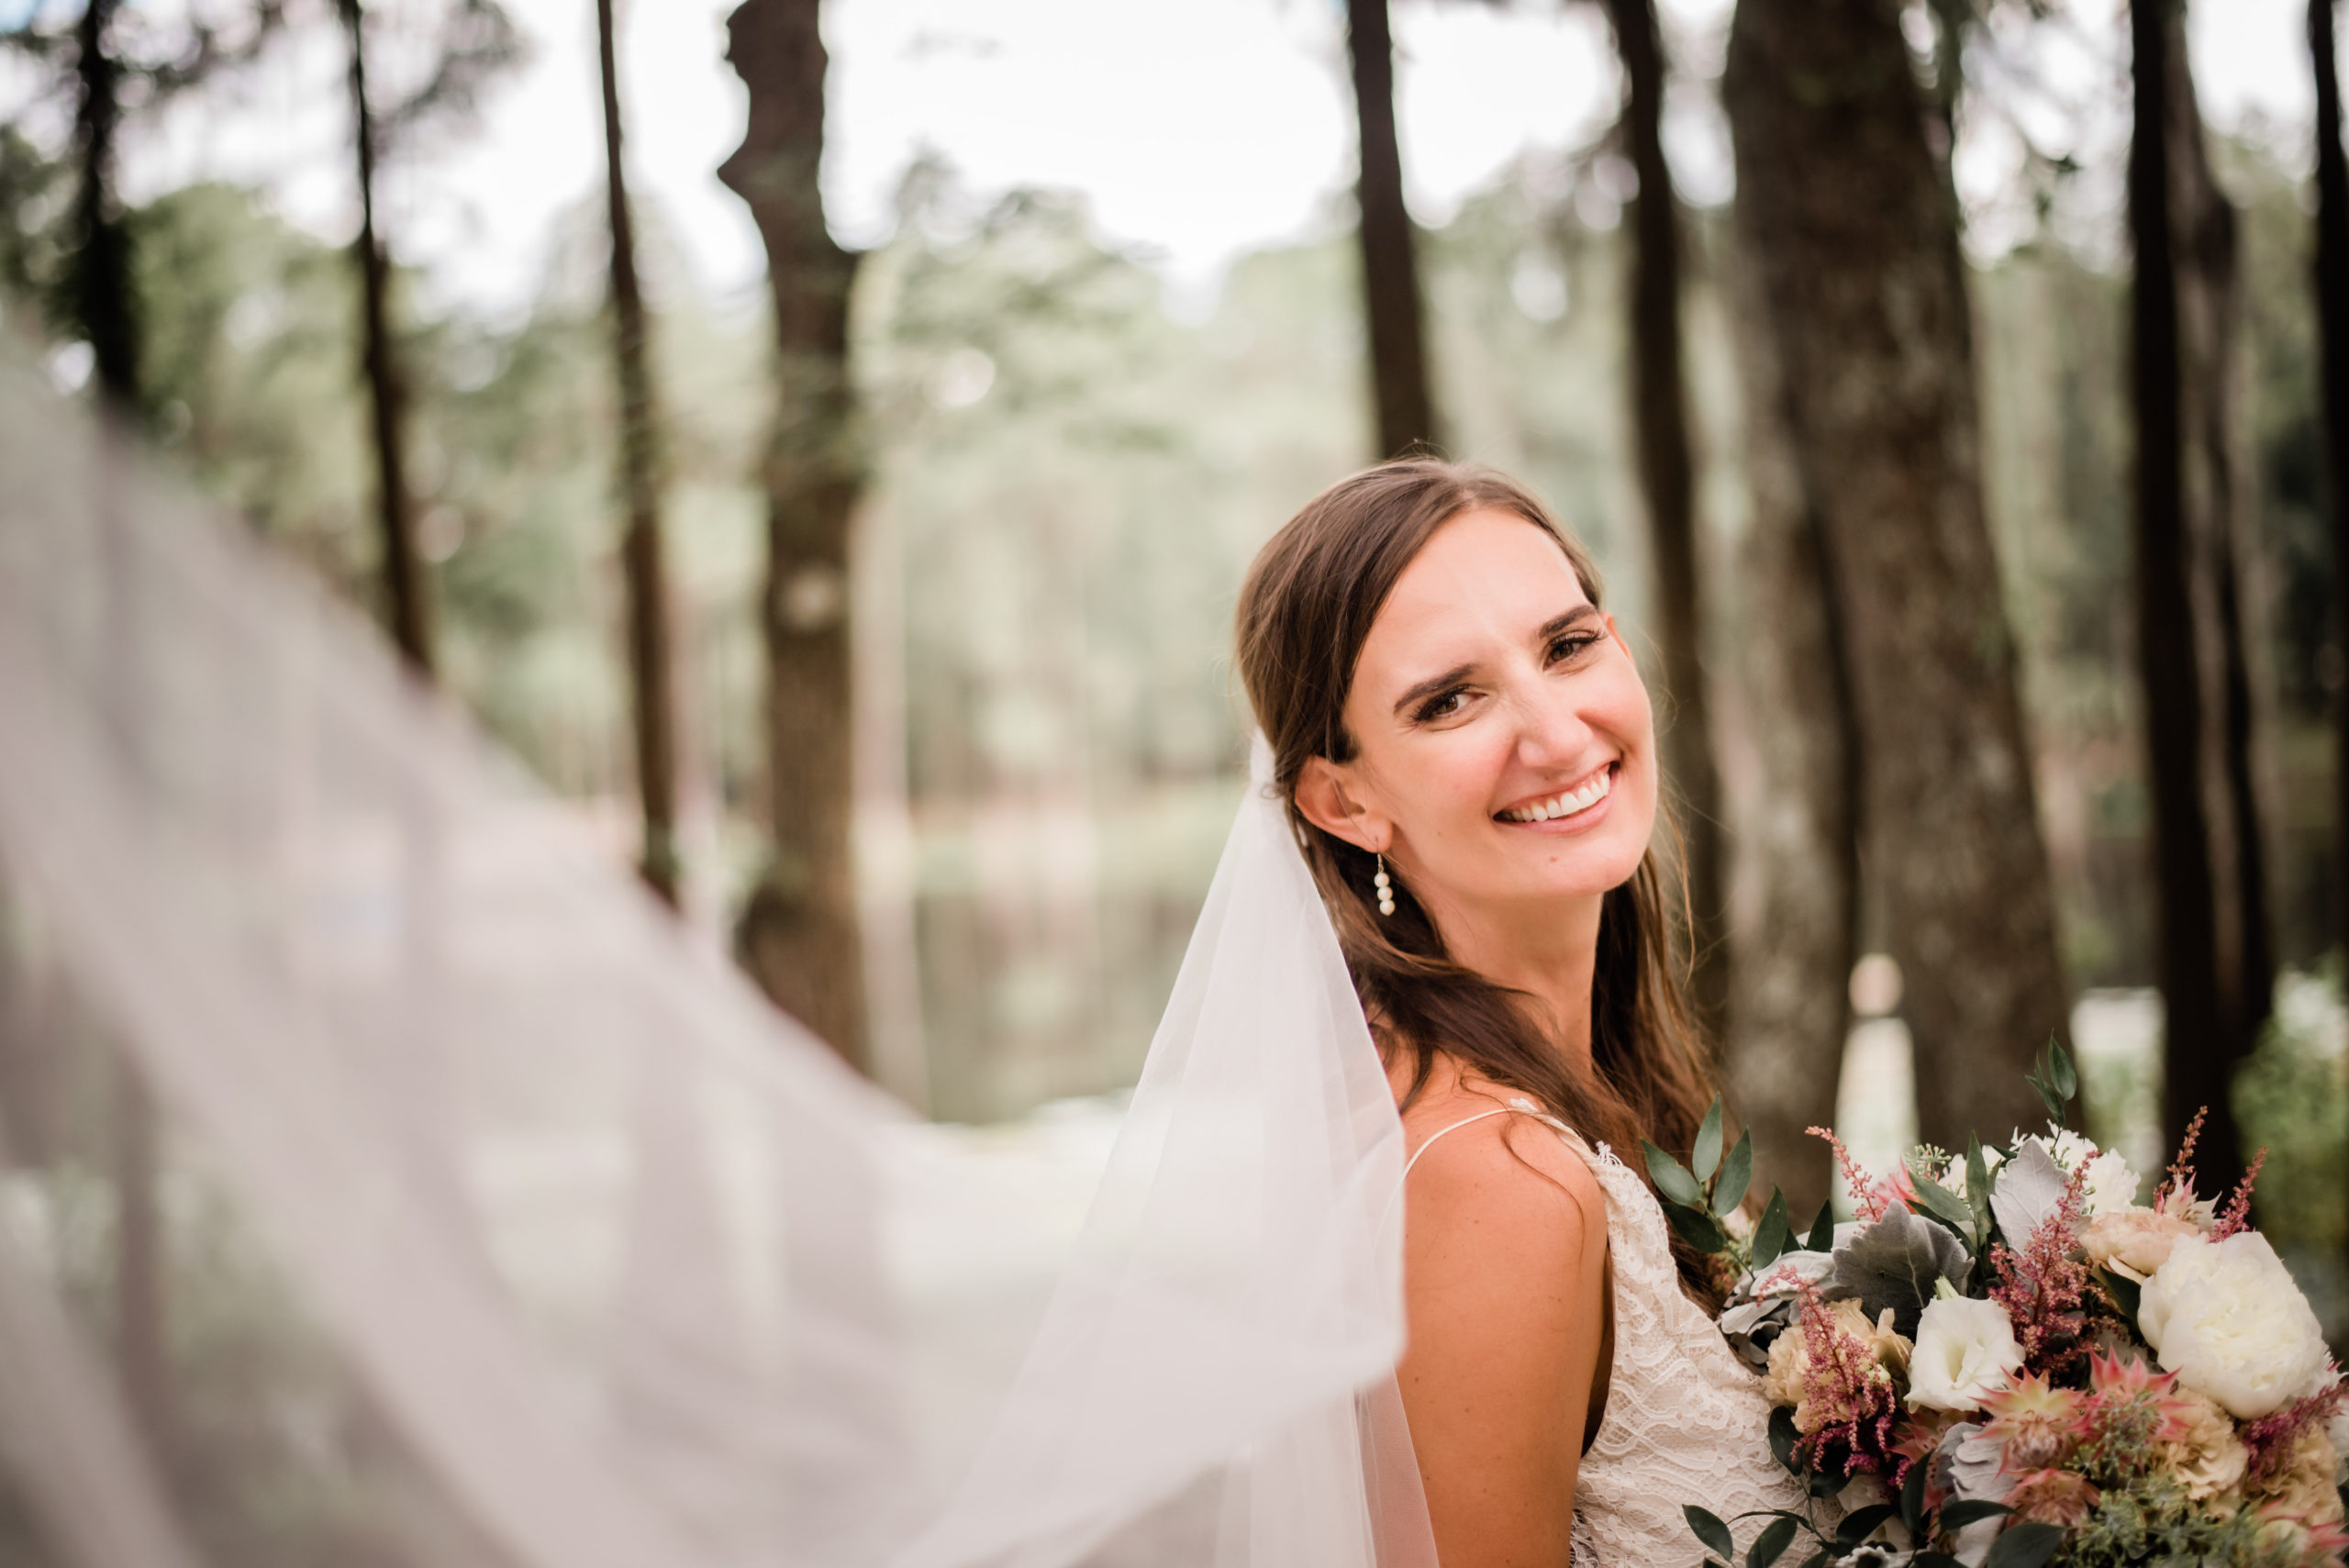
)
(1548, 952)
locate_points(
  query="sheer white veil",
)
(470, 1146)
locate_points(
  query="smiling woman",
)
(1468, 761)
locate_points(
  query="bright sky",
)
(1198, 131)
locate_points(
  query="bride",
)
(1468, 761)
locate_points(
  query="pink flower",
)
(2054, 1497)
(2034, 1424)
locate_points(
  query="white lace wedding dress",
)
(1686, 1421)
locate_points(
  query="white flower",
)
(1966, 1349)
(2227, 1317)
(1954, 1179)
(2111, 1185)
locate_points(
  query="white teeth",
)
(1566, 805)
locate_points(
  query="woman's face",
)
(1505, 752)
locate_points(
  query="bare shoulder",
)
(1507, 1180)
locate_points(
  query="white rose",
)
(2111, 1185)
(1966, 1349)
(2228, 1319)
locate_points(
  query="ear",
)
(1616, 632)
(1322, 796)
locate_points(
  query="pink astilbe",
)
(2236, 1216)
(2041, 1286)
(2181, 1170)
(1866, 1201)
(2270, 1438)
(1850, 1397)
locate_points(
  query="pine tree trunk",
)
(404, 583)
(799, 935)
(101, 263)
(1398, 362)
(2205, 247)
(640, 553)
(1790, 758)
(1660, 419)
(1855, 248)
(2198, 1066)
(2332, 285)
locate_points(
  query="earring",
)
(1385, 888)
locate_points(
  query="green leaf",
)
(2024, 1546)
(2125, 1293)
(1822, 1230)
(1935, 1560)
(1671, 1177)
(1774, 1235)
(1737, 1175)
(1978, 1189)
(1819, 1559)
(1940, 1202)
(1707, 1155)
(1697, 1228)
(2060, 1072)
(1782, 1439)
(1710, 1531)
(1862, 1523)
(1913, 1500)
(1956, 1516)
(1771, 1544)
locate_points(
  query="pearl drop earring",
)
(1385, 888)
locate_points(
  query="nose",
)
(1552, 734)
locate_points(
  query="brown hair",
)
(1305, 612)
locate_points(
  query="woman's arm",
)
(1504, 1281)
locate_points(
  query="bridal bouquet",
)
(2019, 1363)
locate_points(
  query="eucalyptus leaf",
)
(1771, 1544)
(1783, 1437)
(1774, 1235)
(1946, 1206)
(1963, 1511)
(2125, 1291)
(1697, 1228)
(2059, 1069)
(1710, 1531)
(1822, 1231)
(2024, 1546)
(1978, 1189)
(1671, 1177)
(1913, 1500)
(1862, 1523)
(1736, 1175)
(1707, 1155)
(1892, 1264)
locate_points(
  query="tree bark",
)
(2196, 1055)
(404, 582)
(1855, 248)
(2332, 285)
(102, 263)
(1790, 760)
(641, 555)
(1660, 420)
(2205, 245)
(798, 935)
(1390, 272)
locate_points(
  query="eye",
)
(1443, 705)
(1571, 644)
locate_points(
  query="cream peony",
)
(2135, 1241)
(2203, 1451)
(2227, 1317)
(2111, 1185)
(1964, 1350)
(2305, 1488)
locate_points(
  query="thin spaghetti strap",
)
(1480, 1116)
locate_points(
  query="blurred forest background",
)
(882, 613)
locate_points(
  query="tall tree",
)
(1855, 247)
(1660, 421)
(2198, 1054)
(2210, 294)
(1391, 268)
(641, 551)
(102, 296)
(1790, 765)
(798, 935)
(402, 561)
(2331, 284)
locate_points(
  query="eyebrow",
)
(1550, 629)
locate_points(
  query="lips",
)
(1566, 803)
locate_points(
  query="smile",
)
(1570, 803)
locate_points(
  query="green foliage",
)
(2292, 1098)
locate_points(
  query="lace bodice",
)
(1685, 1421)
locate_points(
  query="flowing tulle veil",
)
(633, 1272)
